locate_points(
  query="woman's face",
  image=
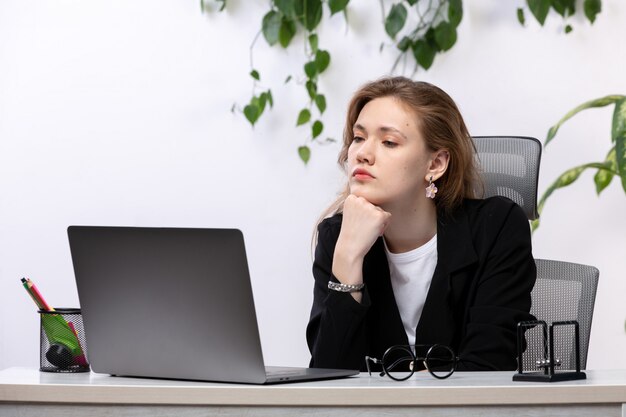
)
(388, 161)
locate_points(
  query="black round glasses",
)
(401, 361)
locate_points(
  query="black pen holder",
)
(63, 345)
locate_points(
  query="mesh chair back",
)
(563, 291)
(510, 168)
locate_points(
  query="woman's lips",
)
(361, 174)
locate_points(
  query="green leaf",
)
(445, 35)
(404, 44)
(565, 179)
(322, 60)
(520, 16)
(305, 153)
(620, 156)
(286, 7)
(271, 26)
(320, 102)
(455, 12)
(412, 2)
(317, 128)
(270, 99)
(618, 126)
(313, 41)
(310, 69)
(311, 88)
(287, 79)
(564, 7)
(604, 176)
(592, 8)
(539, 9)
(568, 28)
(309, 12)
(424, 53)
(395, 20)
(599, 102)
(337, 5)
(303, 117)
(252, 113)
(287, 32)
(259, 102)
(255, 74)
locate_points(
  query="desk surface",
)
(478, 388)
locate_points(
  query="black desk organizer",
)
(548, 364)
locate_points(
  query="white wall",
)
(118, 113)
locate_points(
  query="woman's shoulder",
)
(493, 210)
(330, 224)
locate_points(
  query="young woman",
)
(408, 254)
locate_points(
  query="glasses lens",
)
(440, 361)
(398, 362)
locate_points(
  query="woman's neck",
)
(411, 228)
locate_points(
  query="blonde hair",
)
(442, 127)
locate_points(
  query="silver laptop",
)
(172, 303)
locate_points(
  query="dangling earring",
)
(431, 190)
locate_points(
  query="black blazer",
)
(480, 290)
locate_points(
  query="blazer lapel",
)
(455, 251)
(384, 317)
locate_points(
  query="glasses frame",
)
(407, 348)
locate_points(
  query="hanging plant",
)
(418, 30)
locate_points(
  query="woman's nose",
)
(365, 153)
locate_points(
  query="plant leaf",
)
(305, 153)
(455, 12)
(252, 113)
(539, 9)
(565, 179)
(424, 53)
(313, 41)
(271, 26)
(287, 32)
(255, 74)
(286, 7)
(445, 35)
(303, 117)
(337, 5)
(311, 88)
(618, 127)
(604, 176)
(620, 156)
(564, 7)
(322, 60)
(520, 16)
(317, 128)
(270, 99)
(404, 44)
(592, 8)
(309, 12)
(310, 69)
(599, 102)
(320, 102)
(395, 20)
(568, 28)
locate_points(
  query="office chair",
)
(563, 290)
(510, 168)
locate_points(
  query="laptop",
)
(172, 303)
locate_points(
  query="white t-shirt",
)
(411, 274)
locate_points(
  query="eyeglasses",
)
(400, 362)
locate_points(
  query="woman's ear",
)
(438, 164)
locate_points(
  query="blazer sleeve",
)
(336, 333)
(502, 299)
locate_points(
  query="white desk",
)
(28, 392)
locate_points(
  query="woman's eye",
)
(357, 139)
(390, 144)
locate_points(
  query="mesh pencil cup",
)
(62, 346)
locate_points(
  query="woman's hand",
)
(362, 224)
